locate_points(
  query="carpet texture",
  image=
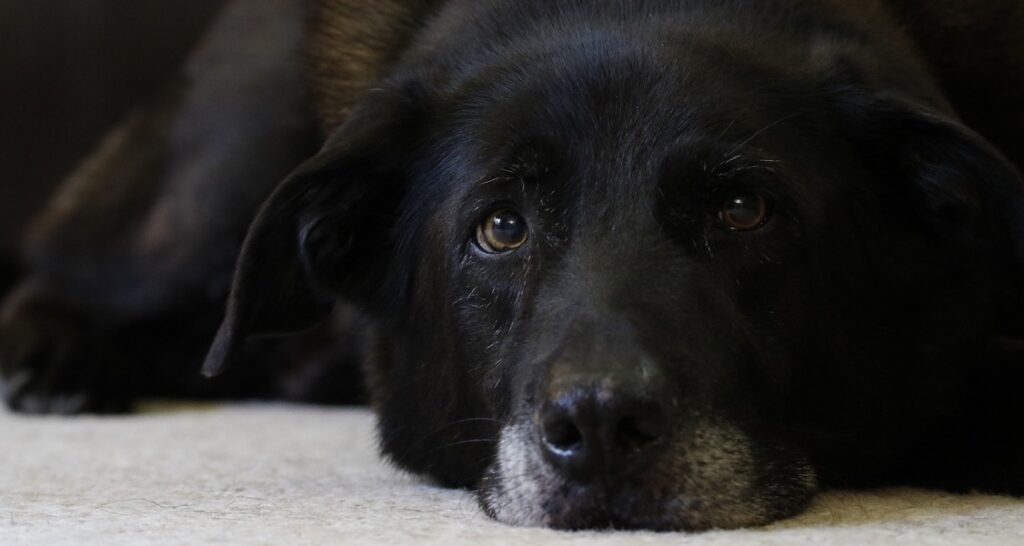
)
(284, 475)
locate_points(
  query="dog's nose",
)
(603, 428)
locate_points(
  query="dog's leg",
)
(55, 348)
(58, 359)
(132, 260)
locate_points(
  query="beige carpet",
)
(283, 475)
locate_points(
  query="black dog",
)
(667, 264)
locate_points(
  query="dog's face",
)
(637, 289)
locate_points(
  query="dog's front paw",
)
(52, 362)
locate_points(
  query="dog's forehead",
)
(593, 103)
(612, 128)
(620, 111)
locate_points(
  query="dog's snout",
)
(603, 429)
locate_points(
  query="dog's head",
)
(643, 286)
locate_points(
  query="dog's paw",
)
(51, 362)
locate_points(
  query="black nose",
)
(602, 427)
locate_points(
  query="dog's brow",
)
(492, 180)
(739, 163)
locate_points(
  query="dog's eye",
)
(502, 231)
(745, 211)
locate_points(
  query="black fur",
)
(866, 334)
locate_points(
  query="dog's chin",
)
(710, 478)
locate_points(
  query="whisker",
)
(426, 437)
(430, 452)
(731, 123)
(725, 163)
(766, 128)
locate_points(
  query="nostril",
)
(562, 434)
(637, 432)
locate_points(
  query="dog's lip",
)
(614, 506)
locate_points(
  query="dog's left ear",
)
(958, 184)
(325, 231)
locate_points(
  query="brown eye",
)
(745, 211)
(502, 231)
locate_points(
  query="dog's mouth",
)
(605, 506)
(709, 476)
(574, 507)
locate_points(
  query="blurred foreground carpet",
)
(276, 474)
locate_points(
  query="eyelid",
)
(737, 168)
(747, 177)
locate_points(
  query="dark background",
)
(69, 70)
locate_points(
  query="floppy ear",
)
(951, 180)
(964, 188)
(323, 233)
